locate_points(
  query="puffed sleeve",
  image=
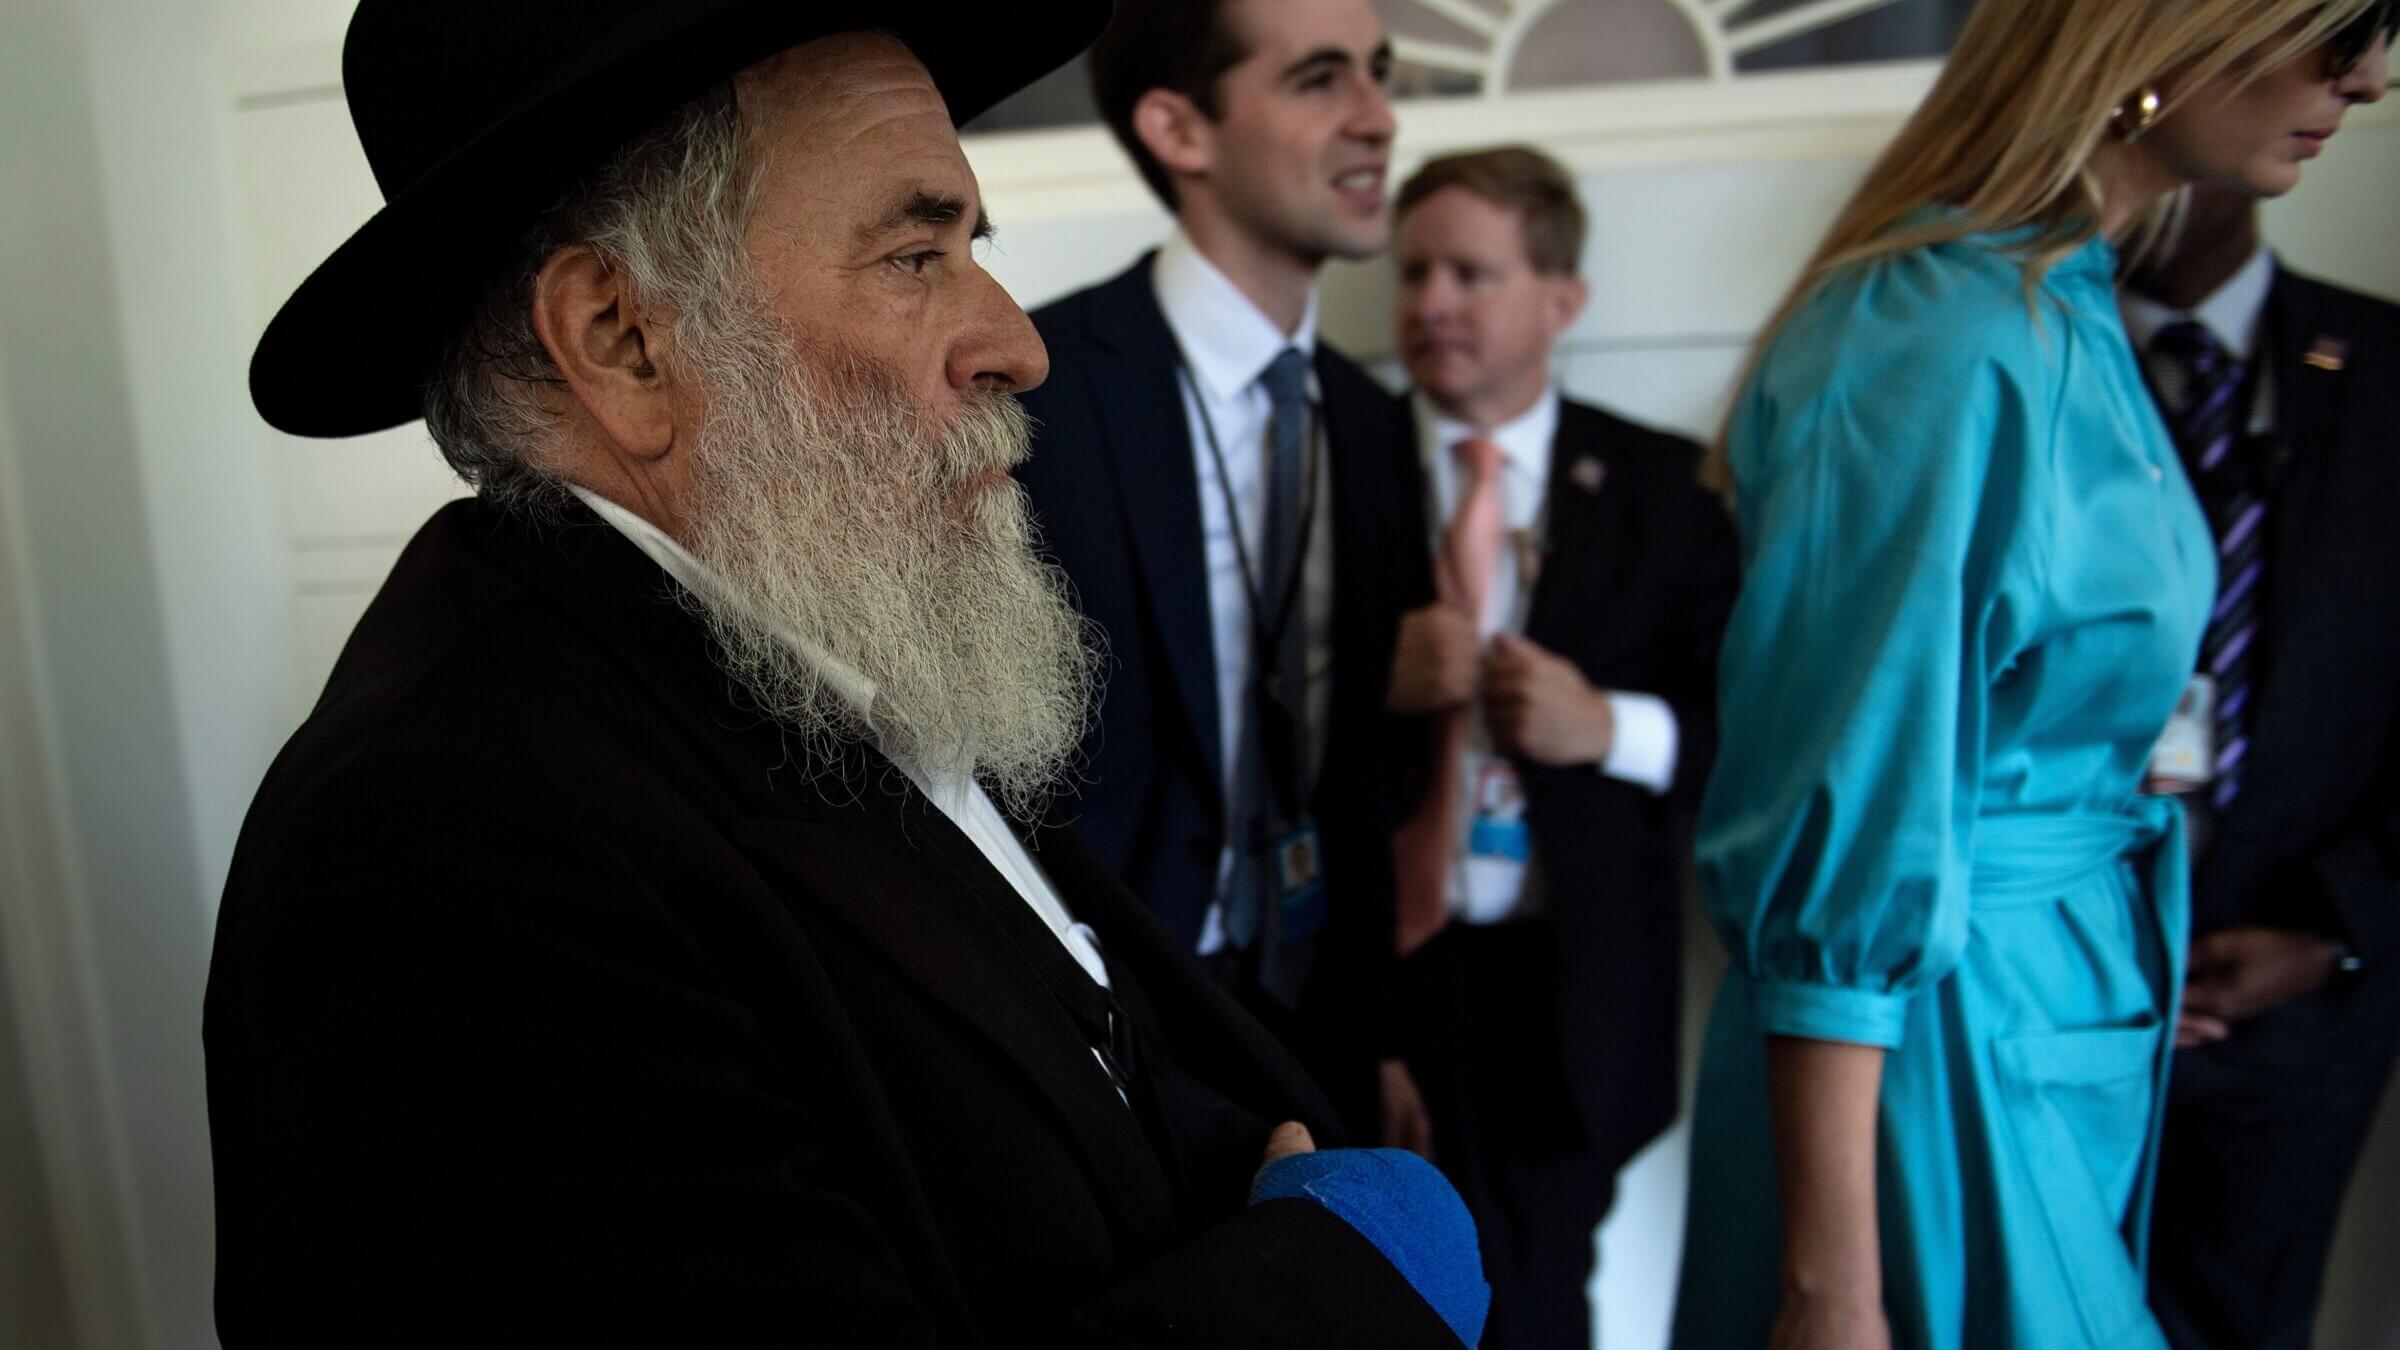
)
(1879, 455)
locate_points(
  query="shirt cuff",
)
(1643, 752)
(1830, 1012)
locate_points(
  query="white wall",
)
(34, 1307)
(107, 937)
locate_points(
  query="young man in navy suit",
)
(2292, 1014)
(1586, 579)
(1228, 495)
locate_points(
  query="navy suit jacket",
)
(2313, 841)
(1118, 500)
(1638, 573)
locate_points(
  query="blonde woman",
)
(1977, 583)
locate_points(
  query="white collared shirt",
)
(1647, 736)
(958, 797)
(1228, 344)
(2234, 313)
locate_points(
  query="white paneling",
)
(1040, 256)
(1673, 254)
(59, 1242)
(1641, 1245)
(1704, 251)
(2343, 223)
(326, 611)
(364, 489)
(337, 583)
(304, 187)
(1683, 389)
(249, 27)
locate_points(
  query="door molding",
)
(47, 990)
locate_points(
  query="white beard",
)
(828, 515)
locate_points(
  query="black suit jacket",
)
(1113, 484)
(1637, 576)
(2313, 840)
(558, 999)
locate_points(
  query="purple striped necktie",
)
(2205, 410)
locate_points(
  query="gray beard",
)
(827, 514)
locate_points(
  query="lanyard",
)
(1266, 634)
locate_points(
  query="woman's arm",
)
(1822, 1095)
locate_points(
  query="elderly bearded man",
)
(628, 946)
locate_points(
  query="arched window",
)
(1493, 48)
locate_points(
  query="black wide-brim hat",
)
(478, 116)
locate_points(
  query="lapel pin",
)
(1588, 473)
(2327, 353)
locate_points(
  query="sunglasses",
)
(2349, 44)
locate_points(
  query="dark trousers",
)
(1484, 1038)
(2263, 1131)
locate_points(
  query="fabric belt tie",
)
(2036, 856)
(2031, 859)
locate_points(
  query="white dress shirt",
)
(958, 797)
(2235, 312)
(1644, 749)
(1228, 343)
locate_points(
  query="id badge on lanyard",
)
(2185, 758)
(1300, 881)
(1496, 826)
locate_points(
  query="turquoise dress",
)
(1976, 584)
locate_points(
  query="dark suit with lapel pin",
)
(1548, 1046)
(2264, 1128)
(558, 999)
(1117, 498)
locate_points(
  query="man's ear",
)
(1175, 131)
(1564, 303)
(603, 346)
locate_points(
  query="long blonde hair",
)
(2025, 103)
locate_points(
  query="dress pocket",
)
(2080, 1105)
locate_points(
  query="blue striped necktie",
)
(2202, 386)
(1275, 714)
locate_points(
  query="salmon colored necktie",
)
(1422, 847)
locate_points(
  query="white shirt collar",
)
(1227, 339)
(853, 686)
(1525, 440)
(2232, 312)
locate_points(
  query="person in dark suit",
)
(2284, 394)
(641, 942)
(1541, 875)
(1224, 490)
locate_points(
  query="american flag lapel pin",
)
(2327, 353)
(1588, 473)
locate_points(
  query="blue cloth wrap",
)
(1399, 1202)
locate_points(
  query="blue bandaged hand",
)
(1397, 1201)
